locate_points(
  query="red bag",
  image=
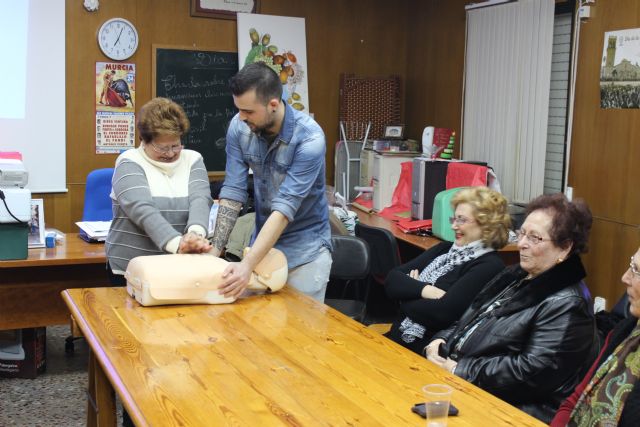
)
(460, 174)
(401, 199)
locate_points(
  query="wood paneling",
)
(365, 37)
(604, 155)
(435, 64)
(610, 247)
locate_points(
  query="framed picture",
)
(223, 9)
(36, 224)
(394, 132)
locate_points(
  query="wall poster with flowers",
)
(279, 42)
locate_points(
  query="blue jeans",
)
(312, 278)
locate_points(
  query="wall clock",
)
(118, 39)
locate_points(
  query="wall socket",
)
(599, 304)
(584, 12)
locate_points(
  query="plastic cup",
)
(437, 398)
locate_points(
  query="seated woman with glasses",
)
(609, 394)
(437, 287)
(161, 197)
(529, 334)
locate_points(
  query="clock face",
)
(118, 39)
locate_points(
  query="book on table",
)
(94, 231)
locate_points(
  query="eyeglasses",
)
(633, 267)
(167, 149)
(531, 238)
(459, 220)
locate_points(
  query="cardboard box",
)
(23, 352)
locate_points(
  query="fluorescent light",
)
(486, 4)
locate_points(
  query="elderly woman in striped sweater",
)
(160, 192)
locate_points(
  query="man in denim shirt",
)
(286, 151)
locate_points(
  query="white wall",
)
(32, 113)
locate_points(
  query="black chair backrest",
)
(384, 249)
(351, 259)
(622, 306)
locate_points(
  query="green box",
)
(14, 240)
(442, 211)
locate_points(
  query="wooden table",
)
(267, 360)
(417, 244)
(30, 288)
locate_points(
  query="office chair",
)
(97, 207)
(607, 320)
(351, 264)
(97, 200)
(384, 257)
(622, 307)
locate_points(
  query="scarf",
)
(457, 255)
(602, 401)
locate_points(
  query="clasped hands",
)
(192, 243)
(433, 355)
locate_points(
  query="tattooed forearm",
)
(227, 216)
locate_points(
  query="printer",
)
(13, 173)
(15, 209)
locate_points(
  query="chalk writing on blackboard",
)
(198, 80)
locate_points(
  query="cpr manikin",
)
(194, 279)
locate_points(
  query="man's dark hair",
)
(260, 77)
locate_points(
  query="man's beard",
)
(264, 128)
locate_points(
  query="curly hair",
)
(159, 117)
(490, 212)
(571, 221)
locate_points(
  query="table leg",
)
(92, 420)
(101, 409)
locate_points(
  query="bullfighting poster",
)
(620, 69)
(115, 107)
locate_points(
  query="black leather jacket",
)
(533, 348)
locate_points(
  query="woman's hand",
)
(414, 274)
(431, 292)
(450, 365)
(432, 352)
(191, 243)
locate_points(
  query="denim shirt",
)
(288, 177)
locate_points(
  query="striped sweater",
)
(154, 204)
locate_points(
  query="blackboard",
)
(198, 80)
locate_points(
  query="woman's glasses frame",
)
(633, 267)
(460, 220)
(531, 238)
(166, 150)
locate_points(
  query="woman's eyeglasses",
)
(459, 220)
(167, 149)
(531, 238)
(633, 267)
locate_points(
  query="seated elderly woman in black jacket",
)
(435, 288)
(530, 334)
(609, 395)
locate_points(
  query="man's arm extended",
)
(237, 274)
(228, 212)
